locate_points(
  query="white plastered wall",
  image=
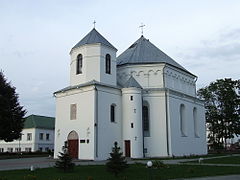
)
(108, 132)
(93, 67)
(132, 114)
(24, 143)
(188, 144)
(156, 143)
(148, 76)
(44, 143)
(83, 125)
(178, 80)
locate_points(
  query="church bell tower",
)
(93, 59)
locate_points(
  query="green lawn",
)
(184, 157)
(134, 172)
(224, 160)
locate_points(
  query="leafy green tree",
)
(222, 104)
(11, 113)
(116, 163)
(64, 162)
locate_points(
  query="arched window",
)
(108, 64)
(112, 113)
(195, 122)
(79, 64)
(146, 127)
(183, 123)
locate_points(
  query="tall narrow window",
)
(195, 122)
(73, 111)
(108, 64)
(79, 64)
(146, 121)
(183, 123)
(112, 113)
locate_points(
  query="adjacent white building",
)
(142, 99)
(37, 135)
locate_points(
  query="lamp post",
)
(149, 165)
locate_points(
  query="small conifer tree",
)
(117, 162)
(64, 162)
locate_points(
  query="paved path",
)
(26, 163)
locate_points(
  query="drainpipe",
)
(142, 126)
(96, 118)
(166, 107)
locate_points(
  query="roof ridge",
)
(131, 82)
(143, 51)
(93, 37)
(39, 116)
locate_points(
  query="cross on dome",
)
(142, 26)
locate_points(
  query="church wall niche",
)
(196, 122)
(183, 120)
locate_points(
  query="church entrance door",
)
(73, 142)
(127, 148)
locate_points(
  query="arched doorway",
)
(73, 144)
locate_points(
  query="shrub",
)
(159, 164)
(117, 162)
(65, 162)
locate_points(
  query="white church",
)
(142, 99)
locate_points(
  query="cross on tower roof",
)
(142, 26)
(94, 22)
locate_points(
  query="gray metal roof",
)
(89, 83)
(144, 52)
(94, 37)
(131, 82)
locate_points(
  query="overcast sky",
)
(37, 36)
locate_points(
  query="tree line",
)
(222, 105)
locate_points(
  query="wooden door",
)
(73, 148)
(127, 148)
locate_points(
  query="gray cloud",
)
(225, 47)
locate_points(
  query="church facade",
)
(142, 99)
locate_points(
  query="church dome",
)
(94, 37)
(144, 52)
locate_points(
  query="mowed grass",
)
(224, 160)
(184, 157)
(134, 172)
